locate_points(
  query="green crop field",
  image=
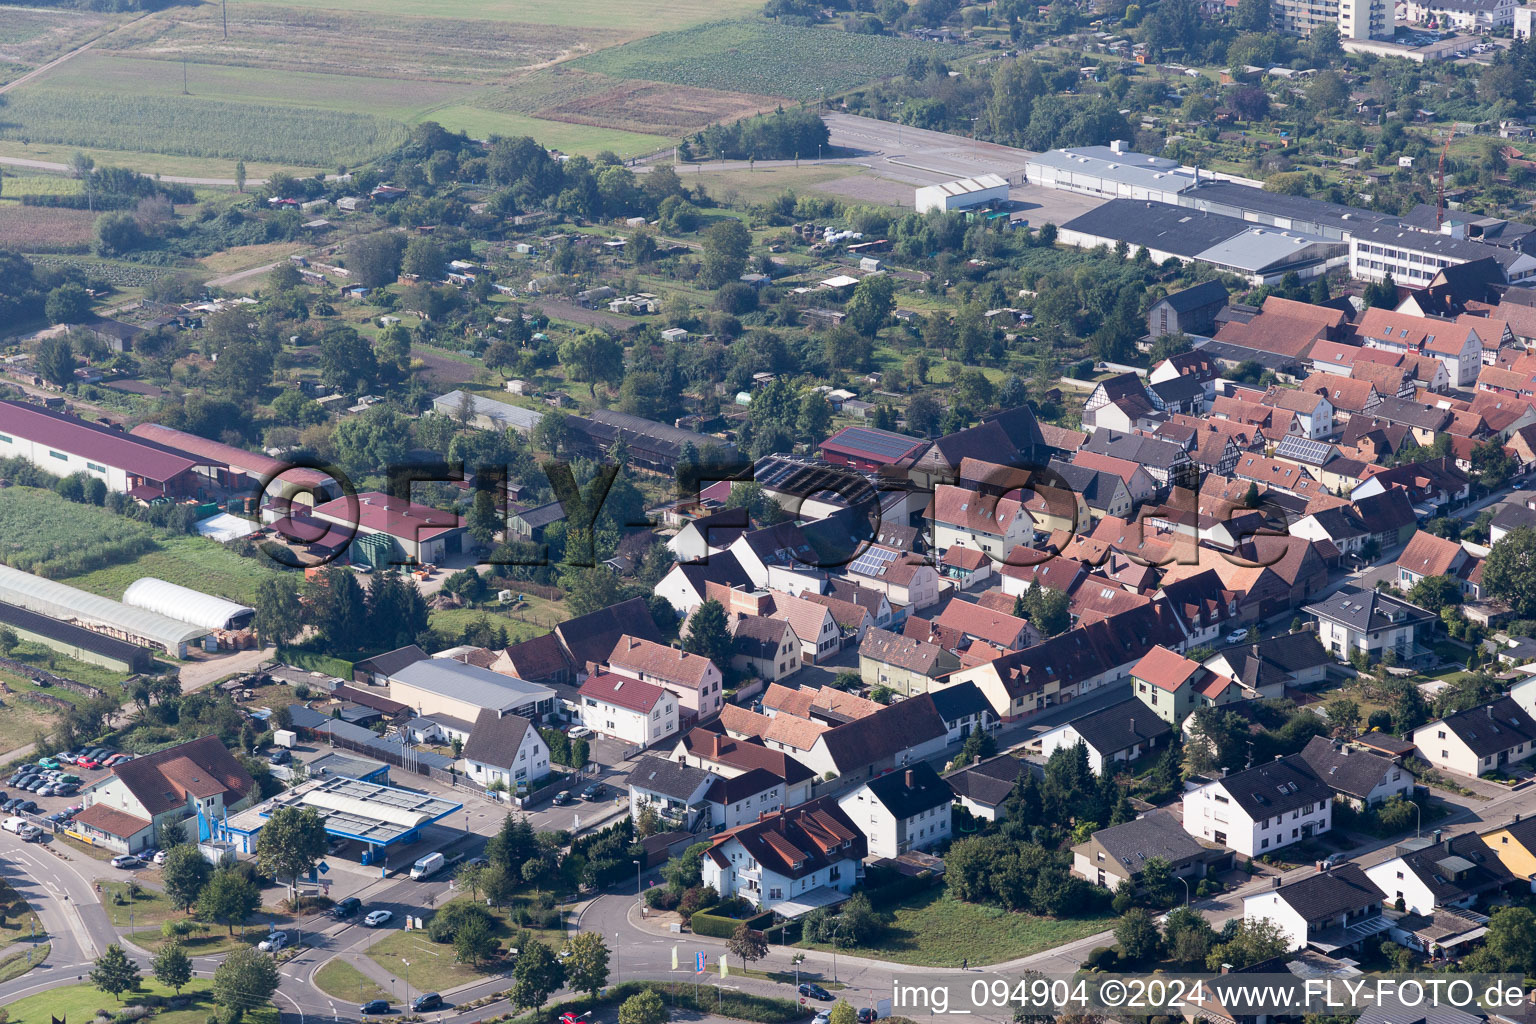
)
(39, 185)
(192, 126)
(761, 57)
(635, 15)
(383, 97)
(194, 562)
(47, 535)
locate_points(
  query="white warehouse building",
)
(188, 605)
(965, 194)
(100, 614)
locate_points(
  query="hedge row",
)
(719, 926)
(700, 999)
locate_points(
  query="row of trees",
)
(245, 980)
(390, 613)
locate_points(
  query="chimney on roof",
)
(909, 778)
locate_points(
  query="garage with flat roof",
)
(378, 817)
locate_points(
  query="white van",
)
(14, 824)
(430, 864)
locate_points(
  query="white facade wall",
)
(57, 462)
(1210, 813)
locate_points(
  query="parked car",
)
(280, 756)
(88, 762)
(158, 858)
(30, 833)
(374, 1006)
(274, 942)
(29, 806)
(867, 1015)
(378, 917)
(562, 798)
(127, 860)
(579, 732)
(822, 1017)
(1237, 636)
(429, 1001)
(67, 757)
(47, 790)
(815, 991)
(594, 791)
(116, 759)
(48, 762)
(346, 908)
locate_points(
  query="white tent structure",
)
(188, 605)
(60, 601)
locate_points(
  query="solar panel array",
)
(879, 443)
(1304, 449)
(874, 561)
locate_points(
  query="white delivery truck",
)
(14, 824)
(428, 865)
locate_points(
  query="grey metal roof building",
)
(74, 642)
(487, 413)
(1275, 209)
(478, 686)
(101, 614)
(1260, 254)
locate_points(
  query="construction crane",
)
(1440, 202)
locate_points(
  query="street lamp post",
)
(1186, 888)
(1418, 814)
(835, 930)
(637, 882)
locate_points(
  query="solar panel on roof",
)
(875, 442)
(873, 562)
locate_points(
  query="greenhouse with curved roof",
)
(102, 614)
(177, 602)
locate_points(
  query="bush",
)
(446, 922)
(1102, 958)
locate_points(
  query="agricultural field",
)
(576, 139)
(355, 94)
(47, 535)
(637, 17)
(30, 36)
(193, 126)
(355, 42)
(18, 185)
(562, 94)
(761, 57)
(45, 229)
(195, 562)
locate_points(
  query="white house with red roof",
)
(627, 709)
(992, 525)
(692, 678)
(793, 861)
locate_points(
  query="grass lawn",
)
(19, 963)
(148, 907)
(22, 720)
(194, 562)
(933, 930)
(430, 959)
(20, 918)
(340, 979)
(82, 1001)
(400, 945)
(534, 618)
(215, 939)
(101, 853)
